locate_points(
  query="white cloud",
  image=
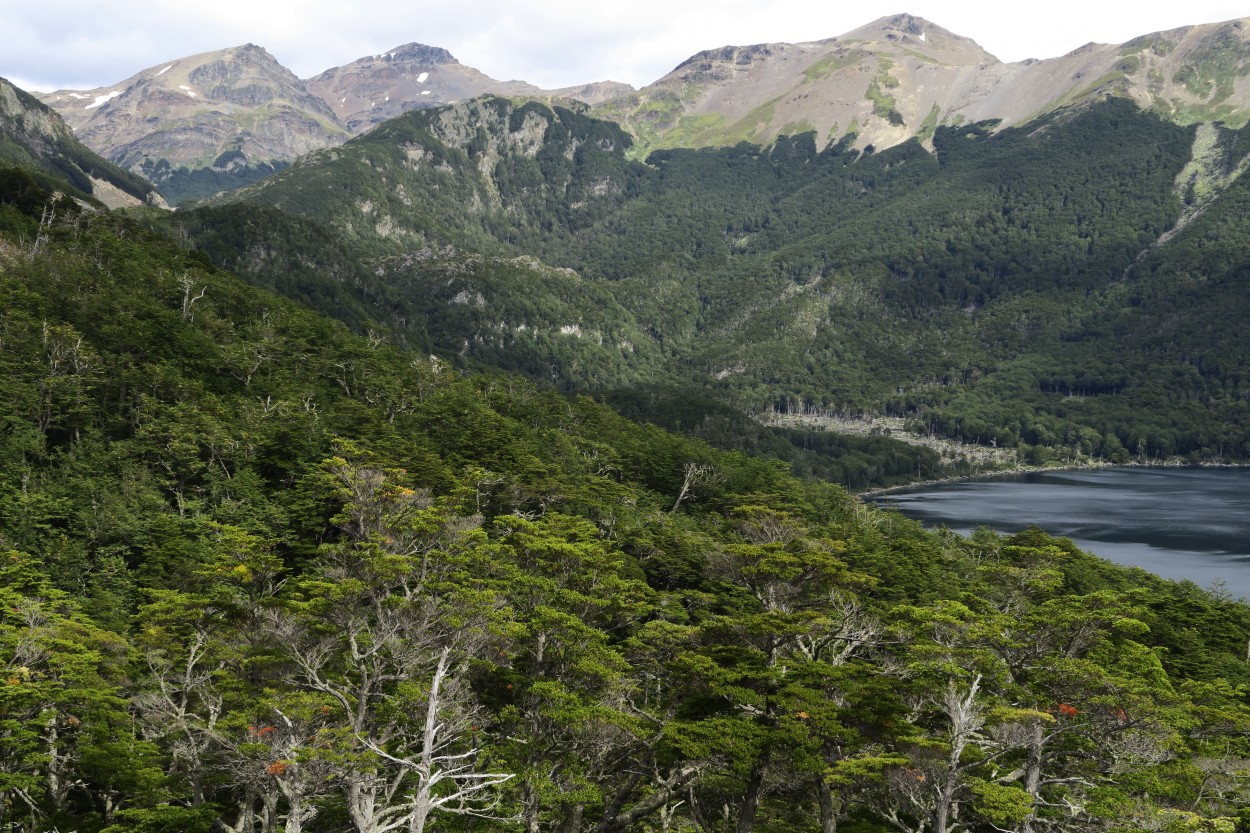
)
(552, 43)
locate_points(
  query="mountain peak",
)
(238, 65)
(251, 50)
(905, 23)
(916, 33)
(235, 107)
(420, 53)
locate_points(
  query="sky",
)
(82, 44)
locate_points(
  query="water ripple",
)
(1178, 523)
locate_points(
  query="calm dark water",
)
(1178, 523)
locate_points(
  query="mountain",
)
(33, 136)
(998, 286)
(203, 123)
(219, 120)
(413, 76)
(378, 87)
(440, 175)
(262, 574)
(902, 76)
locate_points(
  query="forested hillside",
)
(1066, 288)
(261, 574)
(33, 137)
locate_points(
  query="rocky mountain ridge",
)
(203, 122)
(220, 120)
(414, 76)
(902, 76)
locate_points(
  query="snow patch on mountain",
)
(101, 100)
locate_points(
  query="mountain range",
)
(902, 76)
(1022, 280)
(218, 120)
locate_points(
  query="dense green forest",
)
(261, 573)
(1070, 287)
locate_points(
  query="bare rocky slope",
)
(902, 76)
(415, 76)
(235, 112)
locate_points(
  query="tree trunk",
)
(946, 798)
(299, 810)
(612, 811)
(58, 789)
(1033, 775)
(361, 803)
(245, 822)
(269, 817)
(616, 821)
(828, 807)
(294, 817)
(531, 810)
(751, 797)
(572, 818)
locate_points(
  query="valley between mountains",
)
(997, 254)
(453, 457)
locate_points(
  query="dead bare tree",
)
(189, 297)
(406, 751)
(695, 473)
(439, 758)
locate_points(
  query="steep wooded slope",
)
(909, 282)
(258, 572)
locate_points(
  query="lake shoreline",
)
(1178, 521)
(1090, 466)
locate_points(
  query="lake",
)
(1180, 523)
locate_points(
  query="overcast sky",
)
(51, 44)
